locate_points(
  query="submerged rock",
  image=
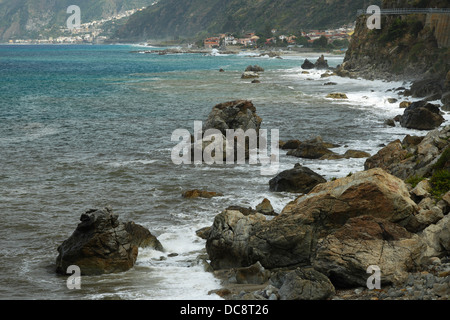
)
(200, 194)
(254, 68)
(249, 75)
(337, 96)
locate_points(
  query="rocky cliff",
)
(413, 46)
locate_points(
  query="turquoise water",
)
(87, 126)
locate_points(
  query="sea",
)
(89, 126)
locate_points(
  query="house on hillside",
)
(212, 42)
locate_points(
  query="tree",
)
(322, 42)
(302, 41)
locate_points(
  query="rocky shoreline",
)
(393, 215)
(320, 246)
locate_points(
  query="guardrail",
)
(408, 11)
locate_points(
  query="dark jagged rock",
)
(307, 65)
(321, 63)
(102, 244)
(421, 115)
(291, 144)
(299, 180)
(239, 114)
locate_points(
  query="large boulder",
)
(345, 254)
(298, 180)
(227, 244)
(312, 149)
(414, 156)
(387, 156)
(291, 237)
(102, 244)
(421, 115)
(436, 238)
(303, 284)
(239, 114)
(373, 192)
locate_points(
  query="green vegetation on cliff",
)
(175, 18)
(406, 46)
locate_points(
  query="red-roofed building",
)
(212, 42)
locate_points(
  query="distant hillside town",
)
(90, 32)
(303, 39)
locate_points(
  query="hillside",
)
(175, 18)
(29, 18)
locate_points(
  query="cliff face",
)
(407, 46)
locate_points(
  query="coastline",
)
(184, 216)
(435, 272)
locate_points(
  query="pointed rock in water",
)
(307, 65)
(337, 96)
(321, 63)
(102, 244)
(239, 114)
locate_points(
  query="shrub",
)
(440, 183)
(414, 180)
(443, 160)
